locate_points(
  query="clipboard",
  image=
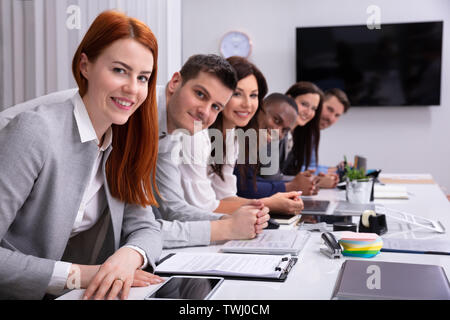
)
(283, 267)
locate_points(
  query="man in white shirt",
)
(198, 92)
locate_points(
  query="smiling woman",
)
(131, 43)
(306, 135)
(116, 89)
(78, 176)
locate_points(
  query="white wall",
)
(395, 139)
(37, 46)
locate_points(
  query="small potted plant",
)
(358, 185)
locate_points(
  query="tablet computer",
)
(186, 287)
(317, 207)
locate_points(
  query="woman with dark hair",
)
(306, 135)
(77, 177)
(214, 186)
(298, 155)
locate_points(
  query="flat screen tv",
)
(396, 65)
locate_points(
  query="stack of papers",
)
(364, 245)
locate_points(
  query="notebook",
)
(270, 242)
(284, 218)
(227, 265)
(391, 280)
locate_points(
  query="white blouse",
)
(227, 187)
(202, 188)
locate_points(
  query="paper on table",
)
(272, 240)
(285, 219)
(390, 192)
(417, 245)
(136, 293)
(268, 239)
(223, 263)
(406, 178)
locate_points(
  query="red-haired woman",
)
(77, 178)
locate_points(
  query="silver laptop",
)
(391, 280)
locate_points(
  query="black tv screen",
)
(396, 65)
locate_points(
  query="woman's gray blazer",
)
(44, 170)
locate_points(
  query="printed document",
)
(270, 242)
(225, 264)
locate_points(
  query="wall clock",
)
(235, 43)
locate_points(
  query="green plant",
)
(354, 173)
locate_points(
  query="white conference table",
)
(314, 275)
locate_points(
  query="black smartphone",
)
(186, 287)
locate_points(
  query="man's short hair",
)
(209, 63)
(340, 95)
(276, 97)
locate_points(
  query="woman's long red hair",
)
(130, 169)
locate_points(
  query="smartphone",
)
(186, 287)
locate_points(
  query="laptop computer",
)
(360, 163)
(363, 280)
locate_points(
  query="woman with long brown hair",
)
(302, 152)
(77, 178)
(306, 135)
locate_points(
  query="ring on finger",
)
(120, 279)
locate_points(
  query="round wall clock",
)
(235, 43)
